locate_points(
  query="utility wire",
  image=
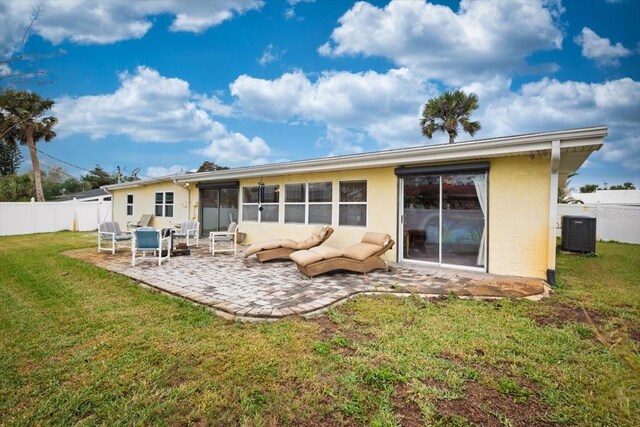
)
(62, 161)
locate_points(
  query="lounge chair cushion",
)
(327, 252)
(271, 244)
(305, 257)
(361, 251)
(380, 239)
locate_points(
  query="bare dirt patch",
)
(406, 410)
(485, 406)
(558, 314)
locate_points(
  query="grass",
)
(83, 346)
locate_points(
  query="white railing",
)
(613, 222)
(32, 217)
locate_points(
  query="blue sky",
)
(163, 86)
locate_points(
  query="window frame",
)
(365, 203)
(310, 203)
(304, 203)
(164, 205)
(129, 205)
(243, 204)
(259, 219)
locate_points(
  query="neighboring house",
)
(97, 194)
(610, 197)
(486, 205)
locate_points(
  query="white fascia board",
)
(460, 151)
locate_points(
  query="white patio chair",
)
(145, 220)
(229, 236)
(111, 232)
(150, 239)
(189, 230)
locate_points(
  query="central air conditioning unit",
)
(578, 234)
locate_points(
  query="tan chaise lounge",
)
(361, 257)
(282, 248)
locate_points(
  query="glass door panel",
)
(210, 207)
(421, 209)
(462, 220)
(228, 207)
(219, 208)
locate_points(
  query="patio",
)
(236, 287)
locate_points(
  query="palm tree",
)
(21, 114)
(446, 112)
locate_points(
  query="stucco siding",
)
(382, 208)
(518, 215)
(144, 203)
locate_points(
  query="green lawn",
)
(81, 345)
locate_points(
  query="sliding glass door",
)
(444, 219)
(218, 208)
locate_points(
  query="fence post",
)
(74, 221)
(31, 216)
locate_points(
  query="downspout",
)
(553, 212)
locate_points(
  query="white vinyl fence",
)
(613, 222)
(32, 217)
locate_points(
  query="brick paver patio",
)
(244, 288)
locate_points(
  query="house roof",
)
(575, 146)
(89, 194)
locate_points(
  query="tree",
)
(625, 186)
(16, 188)
(448, 111)
(564, 192)
(589, 188)
(16, 66)
(97, 177)
(23, 112)
(208, 166)
(10, 157)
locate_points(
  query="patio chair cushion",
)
(312, 241)
(123, 237)
(270, 244)
(327, 252)
(380, 239)
(147, 238)
(305, 257)
(361, 251)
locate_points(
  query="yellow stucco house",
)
(485, 205)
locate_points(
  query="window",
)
(129, 204)
(295, 197)
(320, 202)
(164, 204)
(270, 203)
(250, 203)
(353, 203)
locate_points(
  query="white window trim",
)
(259, 221)
(164, 203)
(305, 204)
(331, 203)
(366, 218)
(133, 199)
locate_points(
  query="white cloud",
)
(600, 49)
(384, 106)
(235, 148)
(157, 171)
(152, 108)
(290, 12)
(550, 104)
(109, 21)
(214, 105)
(482, 37)
(270, 54)
(146, 107)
